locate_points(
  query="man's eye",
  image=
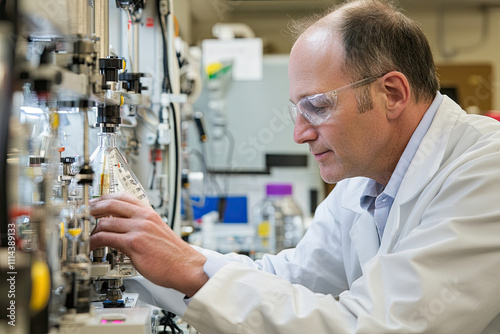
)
(316, 110)
(317, 103)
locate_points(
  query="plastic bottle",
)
(279, 220)
(112, 174)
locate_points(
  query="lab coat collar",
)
(430, 152)
(365, 238)
(352, 203)
(423, 167)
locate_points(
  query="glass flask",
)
(112, 174)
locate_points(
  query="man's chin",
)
(331, 177)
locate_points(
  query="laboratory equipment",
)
(59, 70)
(112, 172)
(64, 65)
(278, 220)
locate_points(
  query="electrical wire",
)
(148, 117)
(218, 191)
(166, 88)
(215, 185)
(154, 151)
(229, 162)
(129, 36)
(177, 165)
(167, 321)
(166, 75)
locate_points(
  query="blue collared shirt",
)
(378, 200)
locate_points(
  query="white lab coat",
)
(437, 269)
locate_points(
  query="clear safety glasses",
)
(319, 107)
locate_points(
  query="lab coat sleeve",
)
(316, 262)
(440, 277)
(159, 296)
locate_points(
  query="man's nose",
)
(303, 131)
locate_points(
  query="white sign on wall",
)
(244, 53)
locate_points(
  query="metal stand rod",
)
(135, 27)
(102, 26)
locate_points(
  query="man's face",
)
(349, 143)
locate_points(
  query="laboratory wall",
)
(258, 125)
(460, 32)
(463, 36)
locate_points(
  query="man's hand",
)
(156, 251)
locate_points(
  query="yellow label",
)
(105, 184)
(61, 227)
(264, 229)
(74, 231)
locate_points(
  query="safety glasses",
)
(317, 108)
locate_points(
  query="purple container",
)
(278, 189)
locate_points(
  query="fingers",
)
(117, 205)
(124, 230)
(124, 197)
(152, 246)
(116, 225)
(127, 197)
(108, 239)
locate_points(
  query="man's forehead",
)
(316, 38)
(317, 49)
(315, 65)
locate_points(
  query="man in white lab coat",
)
(409, 239)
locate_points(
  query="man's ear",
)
(396, 88)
